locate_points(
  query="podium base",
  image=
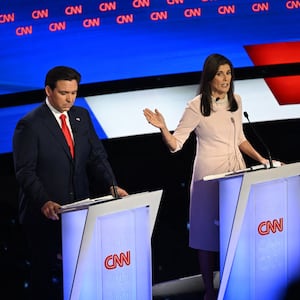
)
(182, 286)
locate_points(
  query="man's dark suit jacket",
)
(44, 167)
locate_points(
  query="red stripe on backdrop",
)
(286, 89)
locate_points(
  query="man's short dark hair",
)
(61, 73)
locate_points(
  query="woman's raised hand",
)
(155, 118)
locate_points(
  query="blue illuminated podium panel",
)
(107, 248)
(259, 233)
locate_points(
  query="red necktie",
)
(67, 134)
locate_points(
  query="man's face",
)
(64, 94)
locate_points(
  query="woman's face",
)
(221, 82)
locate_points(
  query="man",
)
(53, 170)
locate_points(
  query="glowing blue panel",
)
(115, 262)
(266, 255)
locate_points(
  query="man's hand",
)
(50, 210)
(120, 192)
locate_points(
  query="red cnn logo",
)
(113, 261)
(266, 227)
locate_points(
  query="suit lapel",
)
(51, 124)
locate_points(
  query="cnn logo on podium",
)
(267, 227)
(114, 261)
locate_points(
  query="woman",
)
(215, 115)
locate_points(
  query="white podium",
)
(107, 248)
(259, 233)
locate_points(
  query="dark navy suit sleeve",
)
(25, 158)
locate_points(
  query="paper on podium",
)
(85, 203)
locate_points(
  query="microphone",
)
(114, 186)
(115, 191)
(260, 139)
(111, 177)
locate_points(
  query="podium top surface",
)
(85, 203)
(143, 198)
(285, 170)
